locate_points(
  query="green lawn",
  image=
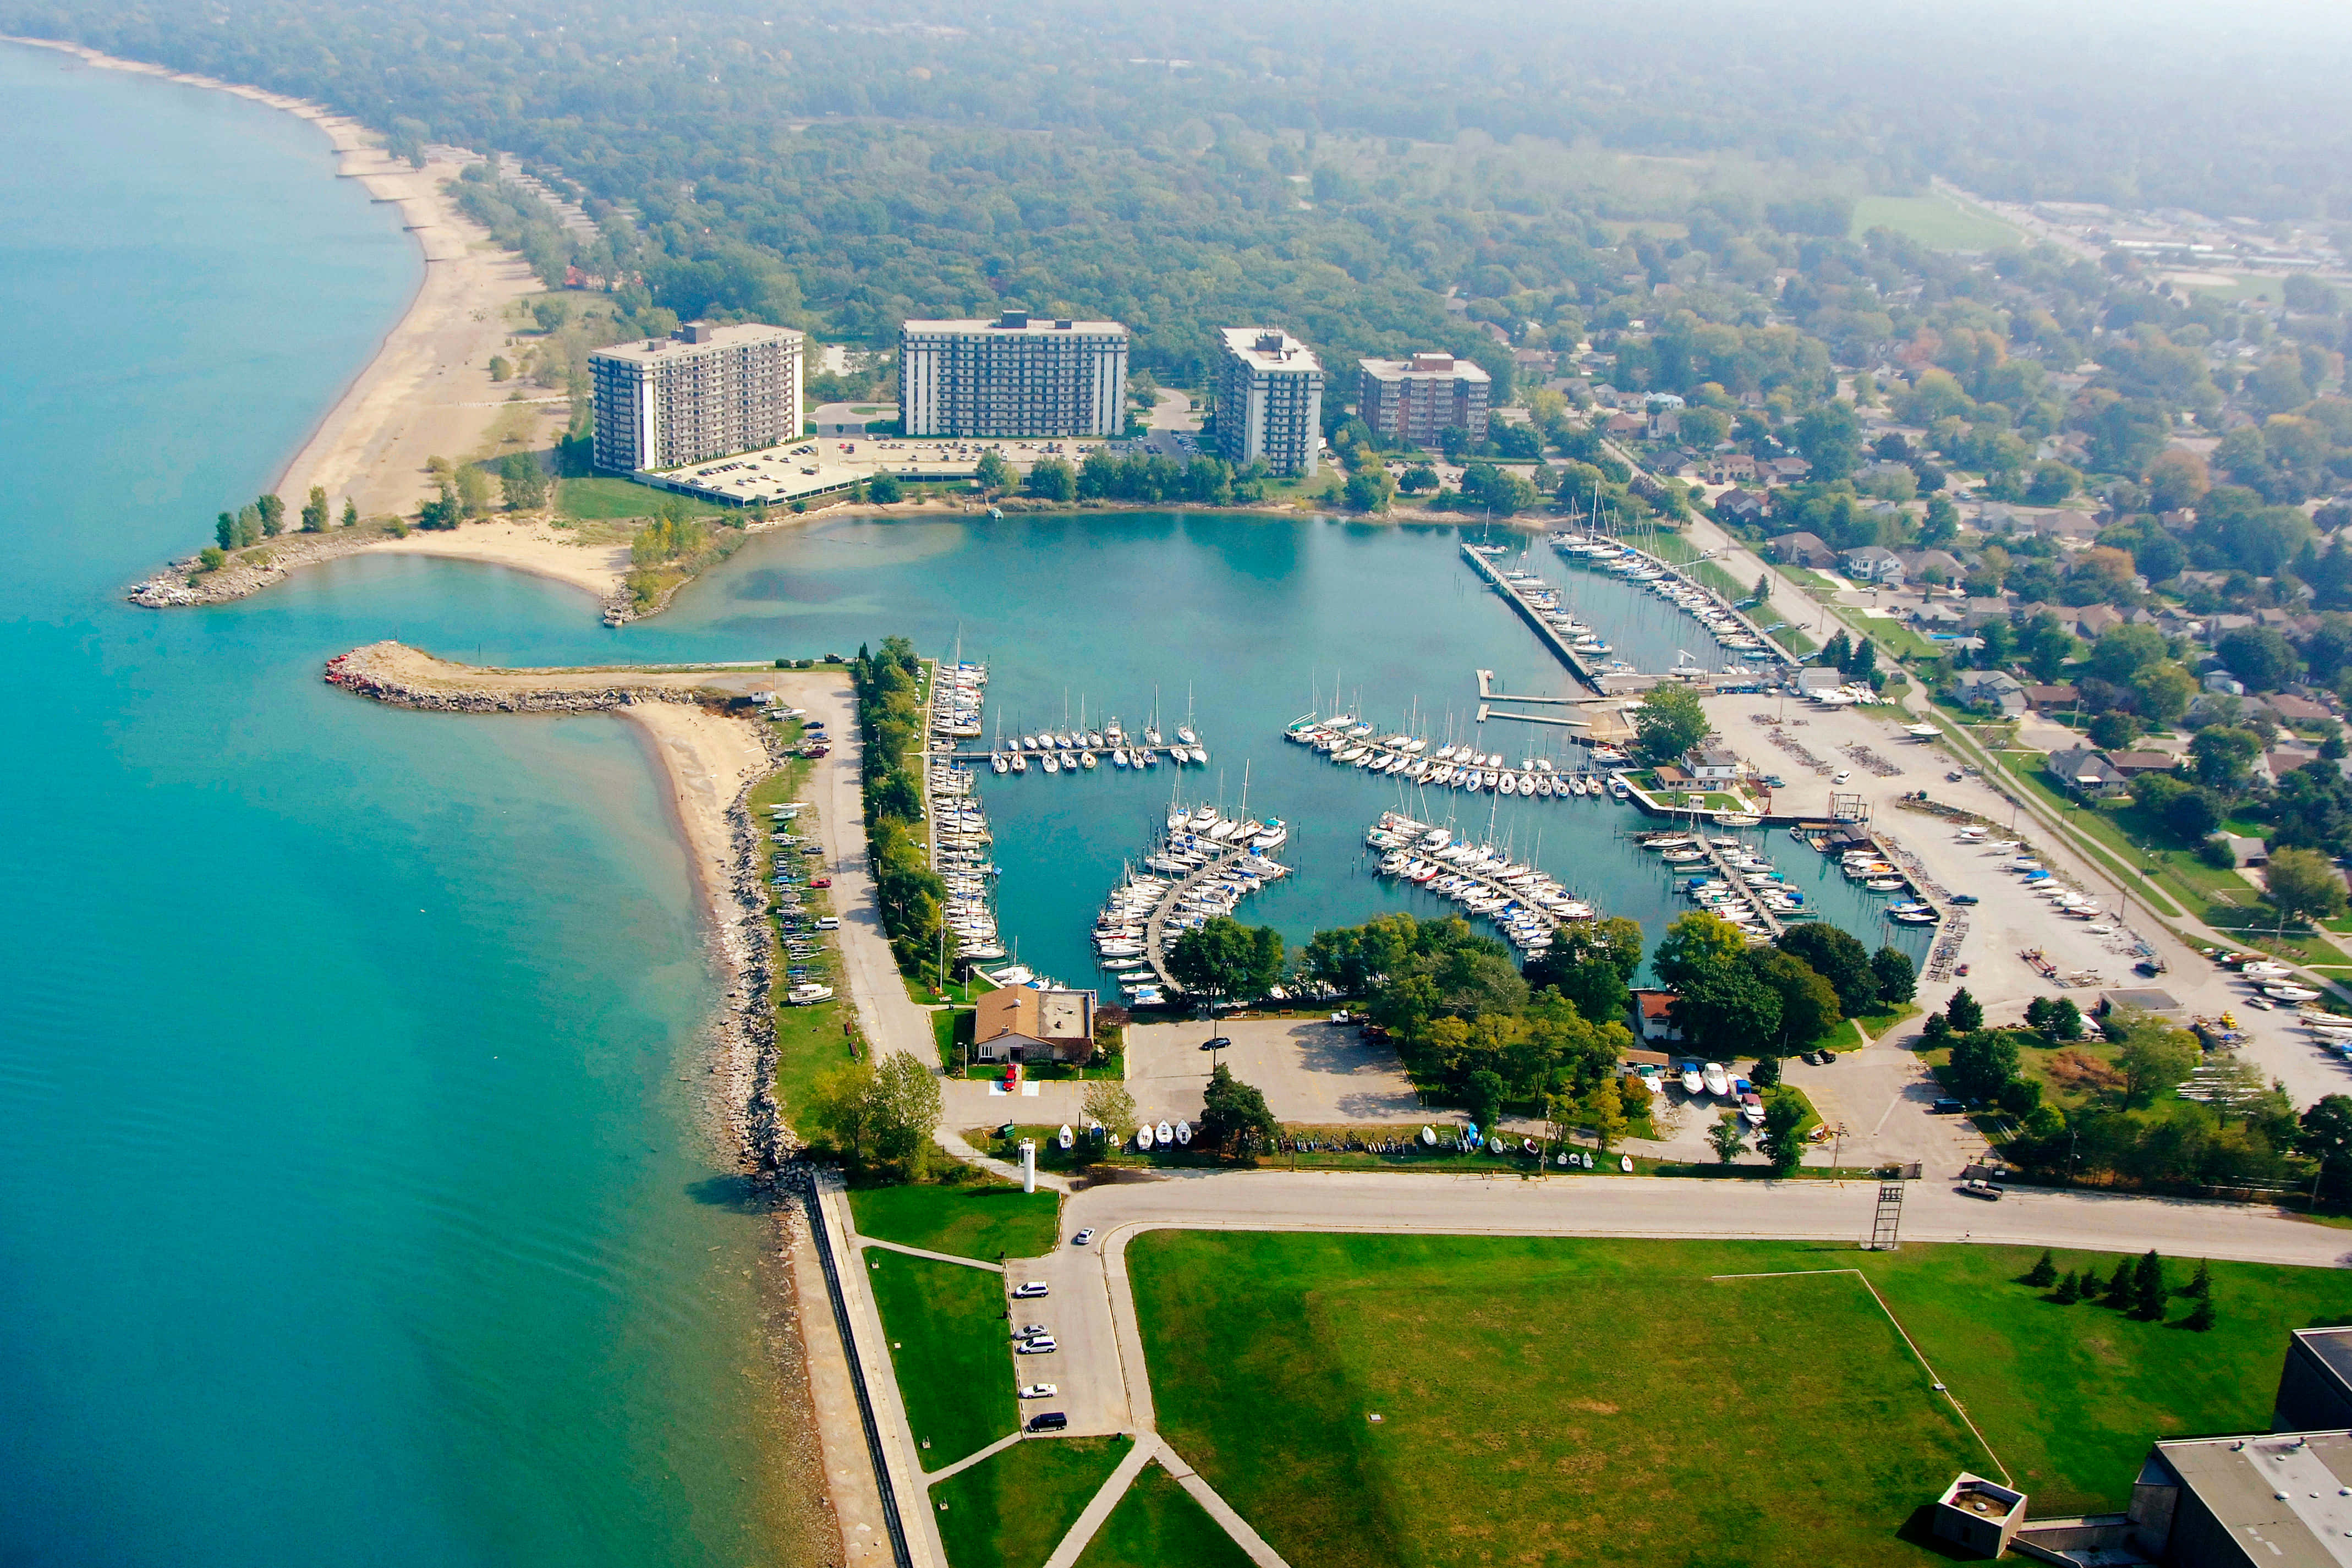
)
(1937, 222)
(810, 1041)
(948, 1345)
(1611, 1390)
(1157, 1525)
(1012, 1508)
(974, 1219)
(605, 498)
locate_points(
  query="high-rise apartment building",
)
(1013, 377)
(1414, 400)
(1269, 401)
(703, 392)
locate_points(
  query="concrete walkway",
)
(1074, 1543)
(934, 1256)
(933, 1478)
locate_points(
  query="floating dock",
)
(1546, 633)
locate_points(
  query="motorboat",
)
(1183, 1133)
(1163, 1133)
(1065, 1138)
(1717, 1081)
(1143, 1137)
(1694, 1081)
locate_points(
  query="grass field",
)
(973, 1220)
(1937, 222)
(1010, 1509)
(1536, 1391)
(810, 1041)
(948, 1347)
(605, 498)
(1157, 1525)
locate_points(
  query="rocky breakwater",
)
(400, 675)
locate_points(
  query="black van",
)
(1048, 1421)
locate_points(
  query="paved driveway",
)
(1086, 1371)
(1309, 1070)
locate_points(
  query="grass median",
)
(947, 1346)
(1532, 1389)
(970, 1219)
(1158, 1525)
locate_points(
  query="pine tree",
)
(350, 513)
(226, 530)
(2148, 1286)
(2069, 1289)
(2202, 1287)
(2119, 1288)
(2045, 1272)
(2202, 1318)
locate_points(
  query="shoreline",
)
(423, 392)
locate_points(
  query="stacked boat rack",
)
(1204, 864)
(1527, 905)
(960, 840)
(1351, 742)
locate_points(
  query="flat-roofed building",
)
(1269, 401)
(1013, 377)
(1415, 399)
(703, 392)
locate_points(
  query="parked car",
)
(1965, 898)
(1083, 1236)
(1042, 1345)
(1977, 1188)
(1946, 1106)
(820, 881)
(1217, 1042)
(1039, 1391)
(1029, 1291)
(828, 922)
(1842, 776)
(1048, 1421)
(1030, 1331)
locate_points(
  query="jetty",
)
(958, 832)
(1546, 633)
(1206, 863)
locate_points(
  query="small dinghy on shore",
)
(1183, 1133)
(1163, 1134)
(1143, 1137)
(1429, 1137)
(1625, 1164)
(1065, 1138)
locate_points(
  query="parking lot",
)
(1309, 1070)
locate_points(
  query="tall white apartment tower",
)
(1269, 401)
(703, 392)
(1013, 377)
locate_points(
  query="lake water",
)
(357, 1200)
(352, 1210)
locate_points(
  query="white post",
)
(1028, 1164)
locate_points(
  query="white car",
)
(1039, 1391)
(1029, 1291)
(1083, 1236)
(1042, 1345)
(1842, 776)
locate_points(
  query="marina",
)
(962, 846)
(1734, 632)
(1351, 742)
(1525, 904)
(1201, 867)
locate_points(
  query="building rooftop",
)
(699, 335)
(1270, 348)
(1013, 322)
(2333, 1347)
(1425, 364)
(2286, 1493)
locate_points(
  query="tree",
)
(2056, 1017)
(499, 369)
(1051, 479)
(1107, 1102)
(841, 1106)
(2200, 1289)
(1722, 1008)
(1982, 1062)
(1766, 1073)
(1225, 958)
(1697, 944)
(1234, 1115)
(2154, 1057)
(441, 512)
(1897, 982)
(2070, 1289)
(2119, 1288)
(1829, 436)
(884, 489)
(2045, 1272)
(1728, 1139)
(210, 559)
(1839, 959)
(1591, 963)
(2148, 1286)
(1808, 1004)
(907, 1105)
(2202, 1317)
(2223, 755)
(2163, 691)
(1783, 1141)
(1369, 489)
(314, 510)
(1604, 1111)
(2303, 883)
(273, 516)
(1483, 1098)
(248, 526)
(350, 513)
(2259, 655)
(2114, 730)
(523, 483)
(2176, 479)
(1964, 1012)
(1419, 479)
(1670, 721)
(224, 531)
(992, 473)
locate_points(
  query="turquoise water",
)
(1247, 622)
(350, 1207)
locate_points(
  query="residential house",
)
(1934, 617)
(2245, 852)
(1626, 424)
(1918, 564)
(2093, 619)
(1875, 563)
(1801, 548)
(1979, 608)
(1021, 1024)
(1882, 470)
(2052, 699)
(1653, 1016)
(1730, 467)
(1816, 677)
(1742, 506)
(1787, 470)
(2299, 710)
(2134, 764)
(2083, 771)
(1991, 689)
(2222, 683)
(1666, 423)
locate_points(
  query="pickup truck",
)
(1977, 1188)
